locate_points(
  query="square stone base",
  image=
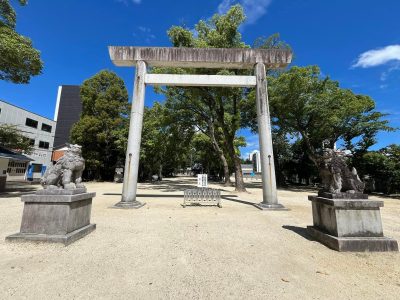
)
(349, 224)
(354, 244)
(59, 218)
(276, 206)
(65, 239)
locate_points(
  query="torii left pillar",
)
(135, 135)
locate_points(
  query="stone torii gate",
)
(257, 59)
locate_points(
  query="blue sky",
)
(356, 42)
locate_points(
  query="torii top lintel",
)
(225, 58)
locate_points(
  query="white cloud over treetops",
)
(254, 9)
(377, 57)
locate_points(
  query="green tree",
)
(13, 139)
(188, 107)
(219, 108)
(102, 128)
(319, 112)
(19, 61)
(381, 169)
(205, 155)
(165, 143)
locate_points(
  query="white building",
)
(256, 159)
(39, 130)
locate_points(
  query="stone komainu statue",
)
(67, 172)
(336, 175)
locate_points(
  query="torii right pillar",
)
(270, 198)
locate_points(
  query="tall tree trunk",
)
(239, 182)
(229, 141)
(311, 151)
(160, 172)
(217, 148)
(239, 175)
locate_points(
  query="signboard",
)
(202, 180)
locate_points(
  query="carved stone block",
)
(349, 224)
(56, 218)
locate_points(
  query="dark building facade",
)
(68, 110)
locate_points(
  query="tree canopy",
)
(319, 112)
(103, 126)
(165, 143)
(13, 139)
(19, 61)
(216, 111)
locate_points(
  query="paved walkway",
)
(164, 251)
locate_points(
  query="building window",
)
(16, 168)
(31, 123)
(36, 168)
(30, 141)
(46, 127)
(43, 145)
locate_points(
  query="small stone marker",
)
(202, 180)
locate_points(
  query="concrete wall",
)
(3, 165)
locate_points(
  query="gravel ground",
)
(164, 251)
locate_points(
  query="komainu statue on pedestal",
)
(336, 176)
(343, 217)
(67, 172)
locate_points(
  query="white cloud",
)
(223, 7)
(254, 9)
(126, 2)
(144, 33)
(377, 57)
(144, 29)
(386, 74)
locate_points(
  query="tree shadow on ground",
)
(303, 232)
(167, 185)
(148, 195)
(299, 188)
(165, 196)
(253, 184)
(292, 188)
(238, 200)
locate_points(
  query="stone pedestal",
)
(60, 216)
(344, 222)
